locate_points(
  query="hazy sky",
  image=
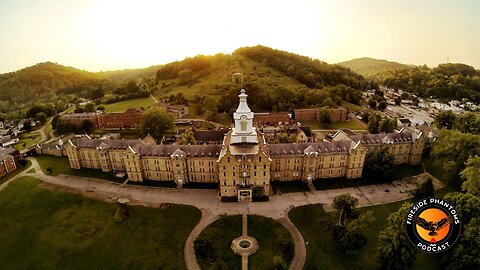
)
(117, 34)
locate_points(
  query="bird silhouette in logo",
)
(431, 226)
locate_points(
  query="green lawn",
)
(276, 246)
(43, 229)
(315, 225)
(351, 124)
(48, 128)
(52, 165)
(122, 106)
(218, 237)
(351, 107)
(28, 139)
(19, 169)
(274, 241)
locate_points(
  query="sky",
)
(97, 35)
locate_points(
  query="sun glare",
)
(147, 32)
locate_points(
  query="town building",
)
(178, 111)
(338, 114)
(272, 119)
(244, 165)
(76, 119)
(7, 164)
(129, 119)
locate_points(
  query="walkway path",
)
(207, 201)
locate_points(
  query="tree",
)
(101, 108)
(185, 76)
(348, 232)
(79, 110)
(97, 93)
(87, 126)
(466, 254)
(471, 176)
(187, 138)
(445, 119)
(372, 103)
(379, 165)
(284, 138)
(42, 117)
(373, 123)
(382, 105)
(55, 120)
(467, 123)
(27, 125)
(425, 189)
(398, 101)
(324, 117)
(395, 250)
(387, 125)
(90, 107)
(156, 122)
(346, 205)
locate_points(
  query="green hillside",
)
(369, 66)
(21, 89)
(274, 80)
(129, 74)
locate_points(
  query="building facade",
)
(129, 119)
(244, 164)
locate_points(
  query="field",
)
(43, 229)
(122, 106)
(275, 252)
(52, 165)
(27, 140)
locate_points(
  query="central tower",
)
(243, 131)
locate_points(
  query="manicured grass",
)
(31, 171)
(218, 237)
(19, 169)
(351, 124)
(43, 229)
(122, 106)
(52, 165)
(351, 107)
(273, 239)
(28, 139)
(276, 245)
(289, 186)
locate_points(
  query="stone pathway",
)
(207, 201)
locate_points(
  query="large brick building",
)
(338, 114)
(7, 164)
(129, 119)
(244, 162)
(76, 119)
(272, 119)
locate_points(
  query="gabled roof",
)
(307, 131)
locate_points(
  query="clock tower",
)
(243, 131)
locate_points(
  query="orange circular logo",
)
(432, 225)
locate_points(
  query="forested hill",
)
(311, 72)
(368, 67)
(274, 80)
(22, 88)
(126, 75)
(446, 81)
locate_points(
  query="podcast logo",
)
(432, 225)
